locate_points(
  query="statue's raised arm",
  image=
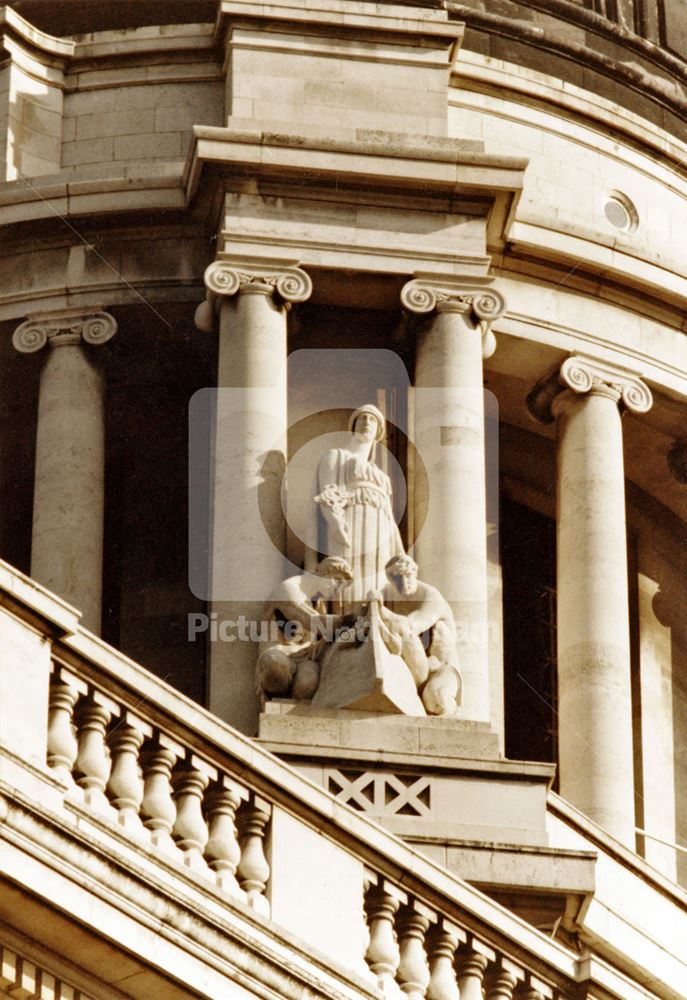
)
(354, 497)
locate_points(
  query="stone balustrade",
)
(135, 793)
(417, 949)
(131, 772)
(118, 763)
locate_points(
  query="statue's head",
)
(334, 573)
(367, 422)
(401, 572)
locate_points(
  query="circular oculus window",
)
(621, 213)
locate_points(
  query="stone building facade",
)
(228, 226)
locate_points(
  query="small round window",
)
(621, 213)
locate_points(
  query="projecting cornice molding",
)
(581, 375)
(225, 278)
(59, 328)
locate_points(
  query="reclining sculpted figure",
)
(288, 662)
(421, 621)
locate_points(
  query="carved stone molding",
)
(65, 327)
(582, 375)
(424, 295)
(287, 282)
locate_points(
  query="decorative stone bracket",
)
(484, 306)
(581, 374)
(64, 327)
(223, 278)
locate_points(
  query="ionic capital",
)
(483, 306)
(587, 376)
(68, 326)
(226, 277)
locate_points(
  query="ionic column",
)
(68, 504)
(249, 530)
(586, 399)
(451, 546)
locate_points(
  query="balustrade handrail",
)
(84, 725)
(111, 677)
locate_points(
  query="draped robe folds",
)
(361, 492)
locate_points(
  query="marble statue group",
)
(362, 630)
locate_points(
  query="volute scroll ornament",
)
(68, 326)
(424, 295)
(581, 375)
(225, 278)
(30, 337)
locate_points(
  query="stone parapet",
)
(113, 841)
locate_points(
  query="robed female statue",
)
(354, 497)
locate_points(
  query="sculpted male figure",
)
(411, 609)
(297, 612)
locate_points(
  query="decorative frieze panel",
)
(381, 793)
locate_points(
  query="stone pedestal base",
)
(442, 786)
(433, 778)
(297, 724)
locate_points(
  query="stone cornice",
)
(581, 374)
(44, 46)
(418, 164)
(629, 72)
(94, 327)
(227, 277)
(364, 19)
(142, 885)
(483, 305)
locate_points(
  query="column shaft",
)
(68, 505)
(595, 729)
(449, 431)
(248, 536)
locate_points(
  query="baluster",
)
(190, 829)
(158, 808)
(501, 982)
(383, 954)
(125, 787)
(412, 973)
(222, 851)
(534, 990)
(470, 965)
(253, 870)
(92, 768)
(62, 743)
(441, 948)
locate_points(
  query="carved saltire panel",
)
(381, 793)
